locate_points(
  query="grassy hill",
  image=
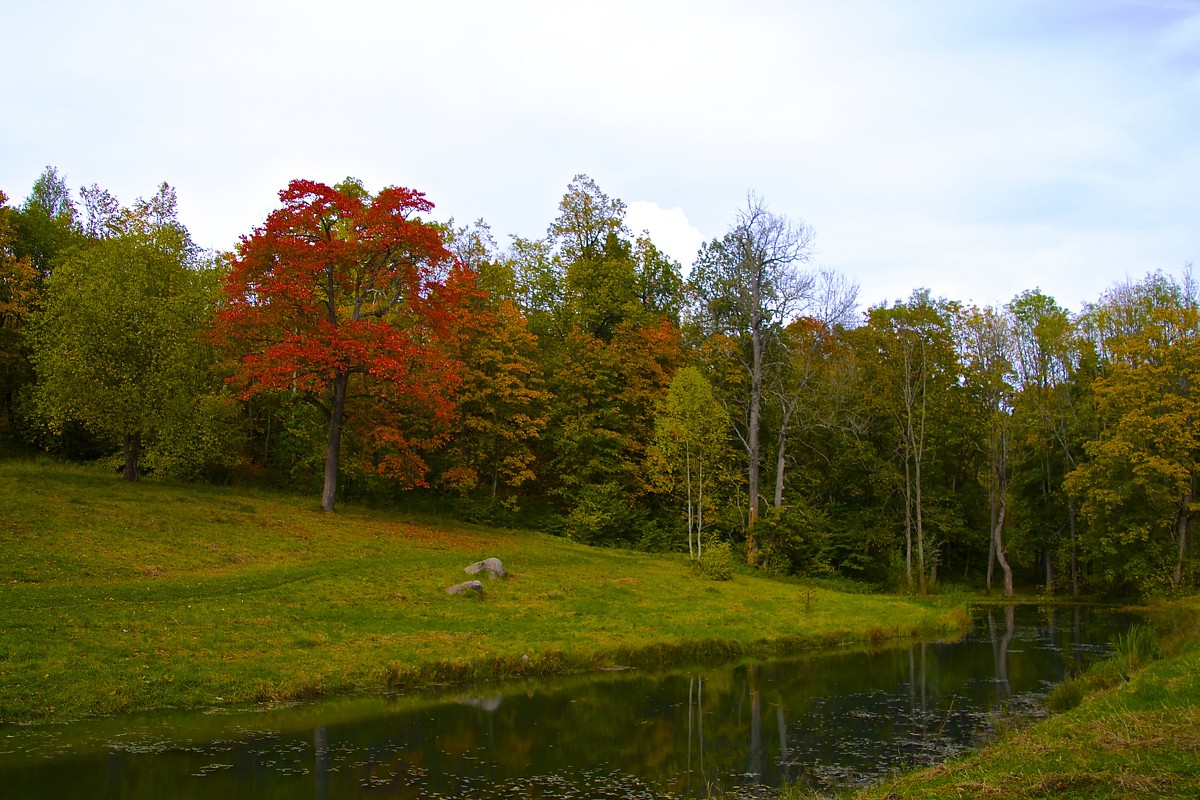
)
(118, 597)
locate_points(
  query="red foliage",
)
(337, 284)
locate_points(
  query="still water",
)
(828, 719)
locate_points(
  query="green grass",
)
(1133, 731)
(119, 597)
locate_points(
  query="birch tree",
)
(691, 434)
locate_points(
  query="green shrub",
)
(795, 540)
(601, 515)
(1065, 696)
(656, 538)
(716, 561)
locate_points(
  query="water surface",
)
(827, 719)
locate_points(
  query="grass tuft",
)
(1135, 648)
(1066, 695)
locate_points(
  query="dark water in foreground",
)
(829, 719)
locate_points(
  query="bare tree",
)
(748, 285)
(799, 372)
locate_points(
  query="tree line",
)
(583, 383)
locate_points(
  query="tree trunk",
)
(1074, 549)
(333, 448)
(780, 458)
(920, 525)
(1001, 557)
(908, 505)
(687, 469)
(699, 509)
(919, 453)
(998, 528)
(1182, 532)
(752, 446)
(993, 510)
(991, 568)
(913, 451)
(133, 449)
(267, 436)
(788, 409)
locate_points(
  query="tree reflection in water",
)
(838, 719)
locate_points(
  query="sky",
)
(976, 148)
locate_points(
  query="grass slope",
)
(117, 597)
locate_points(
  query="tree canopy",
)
(339, 285)
(116, 338)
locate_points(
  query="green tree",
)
(1045, 358)
(47, 223)
(658, 284)
(116, 342)
(691, 433)
(603, 309)
(602, 422)
(918, 351)
(865, 475)
(538, 282)
(1138, 486)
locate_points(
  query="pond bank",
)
(1135, 734)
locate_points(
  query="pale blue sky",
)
(976, 147)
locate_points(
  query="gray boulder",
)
(491, 566)
(464, 588)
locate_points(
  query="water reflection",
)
(832, 720)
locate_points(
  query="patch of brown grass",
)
(1178, 729)
(1140, 784)
(976, 789)
(1060, 783)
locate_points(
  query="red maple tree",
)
(340, 291)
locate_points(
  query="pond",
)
(829, 719)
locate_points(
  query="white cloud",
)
(669, 230)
